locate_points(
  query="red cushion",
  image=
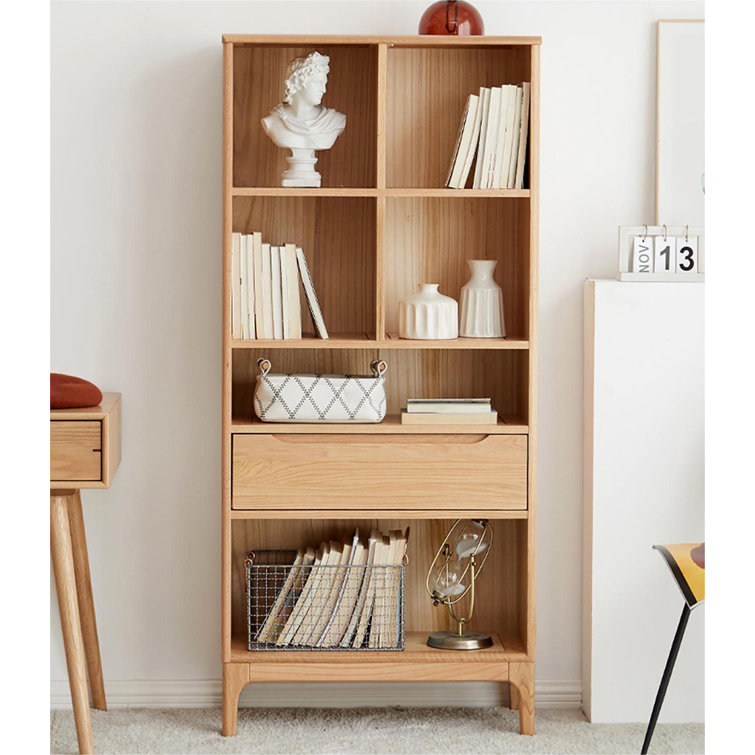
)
(69, 392)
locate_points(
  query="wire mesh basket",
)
(319, 607)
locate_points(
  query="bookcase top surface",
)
(426, 40)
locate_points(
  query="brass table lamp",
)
(452, 575)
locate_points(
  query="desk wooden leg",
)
(65, 582)
(522, 676)
(86, 601)
(513, 697)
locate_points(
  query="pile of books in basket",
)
(494, 125)
(265, 296)
(342, 596)
(448, 411)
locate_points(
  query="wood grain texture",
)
(86, 600)
(358, 671)
(226, 552)
(501, 586)
(235, 677)
(401, 471)
(522, 676)
(431, 86)
(380, 225)
(259, 73)
(61, 549)
(338, 239)
(75, 450)
(429, 240)
(85, 444)
(272, 40)
(416, 649)
(501, 375)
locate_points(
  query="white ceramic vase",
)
(482, 303)
(428, 314)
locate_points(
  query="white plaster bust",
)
(300, 123)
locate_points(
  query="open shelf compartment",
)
(501, 376)
(259, 72)
(501, 590)
(337, 236)
(429, 240)
(427, 91)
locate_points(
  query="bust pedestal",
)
(301, 169)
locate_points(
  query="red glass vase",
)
(453, 17)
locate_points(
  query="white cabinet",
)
(643, 484)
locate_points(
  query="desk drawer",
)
(75, 450)
(476, 472)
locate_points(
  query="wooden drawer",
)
(476, 472)
(75, 450)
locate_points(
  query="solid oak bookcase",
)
(381, 224)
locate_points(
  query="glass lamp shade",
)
(453, 17)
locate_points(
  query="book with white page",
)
(509, 97)
(259, 310)
(291, 298)
(463, 141)
(267, 293)
(236, 286)
(491, 135)
(469, 148)
(448, 406)
(253, 242)
(523, 131)
(359, 607)
(244, 286)
(309, 291)
(485, 109)
(275, 283)
(509, 140)
(500, 140)
(515, 146)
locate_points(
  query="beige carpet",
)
(373, 730)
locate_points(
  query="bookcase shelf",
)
(391, 341)
(381, 224)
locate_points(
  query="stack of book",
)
(448, 411)
(357, 606)
(265, 299)
(494, 128)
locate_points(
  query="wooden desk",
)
(85, 450)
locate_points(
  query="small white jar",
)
(428, 314)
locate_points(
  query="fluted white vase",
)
(428, 314)
(482, 303)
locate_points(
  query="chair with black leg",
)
(687, 564)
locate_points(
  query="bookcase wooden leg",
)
(65, 582)
(86, 601)
(235, 678)
(522, 676)
(513, 697)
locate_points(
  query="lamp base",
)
(456, 641)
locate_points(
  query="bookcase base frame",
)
(519, 675)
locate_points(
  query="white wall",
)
(136, 302)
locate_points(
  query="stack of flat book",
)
(448, 411)
(493, 127)
(265, 299)
(356, 606)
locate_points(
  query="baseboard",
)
(122, 693)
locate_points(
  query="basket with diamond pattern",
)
(320, 398)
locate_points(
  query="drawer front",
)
(476, 472)
(75, 450)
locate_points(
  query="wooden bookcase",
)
(380, 225)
